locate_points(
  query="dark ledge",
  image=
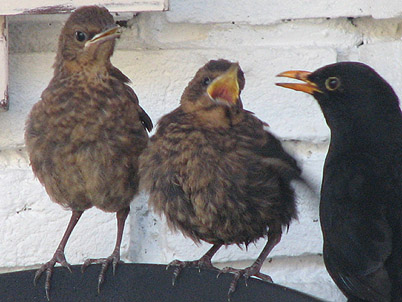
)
(142, 282)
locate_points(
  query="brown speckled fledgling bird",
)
(85, 134)
(216, 174)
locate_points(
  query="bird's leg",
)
(274, 236)
(114, 258)
(58, 256)
(203, 262)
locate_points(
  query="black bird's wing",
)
(357, 234)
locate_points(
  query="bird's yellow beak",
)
(108, 34)
(225, 88)
(309, 87)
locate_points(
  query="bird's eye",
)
(206, 81)
(332, 83)
(80, 36)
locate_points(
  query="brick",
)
(157, 32)
(268, 12)
(386, 59)
(29, 76)
(153, 31)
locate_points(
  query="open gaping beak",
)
(109, 33)
(225, 88)
(309, 87)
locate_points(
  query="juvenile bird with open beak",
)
(86, 133)
(216, 173)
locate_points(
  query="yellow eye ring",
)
(332, 83)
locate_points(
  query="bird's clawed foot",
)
(113, 259)
(202, 263)
(58, 257)
(246, 273)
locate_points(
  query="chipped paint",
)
(4, 63)
(30, 7)
(54, 9)
(4, 103)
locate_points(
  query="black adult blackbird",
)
(216, 174)
(86, 133)
(361, 194)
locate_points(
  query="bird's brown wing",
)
(145, 120)
(144, 117)
(273, 149)
(264, 144)
(116, 73)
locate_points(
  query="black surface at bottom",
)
(141, 282)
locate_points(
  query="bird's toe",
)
(48, 267)
(113, 259)
(202, 263)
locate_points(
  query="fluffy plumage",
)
(86, 133)
(216, 173)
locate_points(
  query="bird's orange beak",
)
(309, 87)
(225, 88)
(108, 34)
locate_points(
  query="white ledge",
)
(66, 6)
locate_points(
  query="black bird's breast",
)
(359, 210)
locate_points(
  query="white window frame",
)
(30, 7)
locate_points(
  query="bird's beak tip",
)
(307, 87)
(109, 33)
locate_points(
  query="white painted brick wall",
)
(271, 11)
(160, 53)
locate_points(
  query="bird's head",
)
(88, 37)
(345, 89)
(217, 82)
